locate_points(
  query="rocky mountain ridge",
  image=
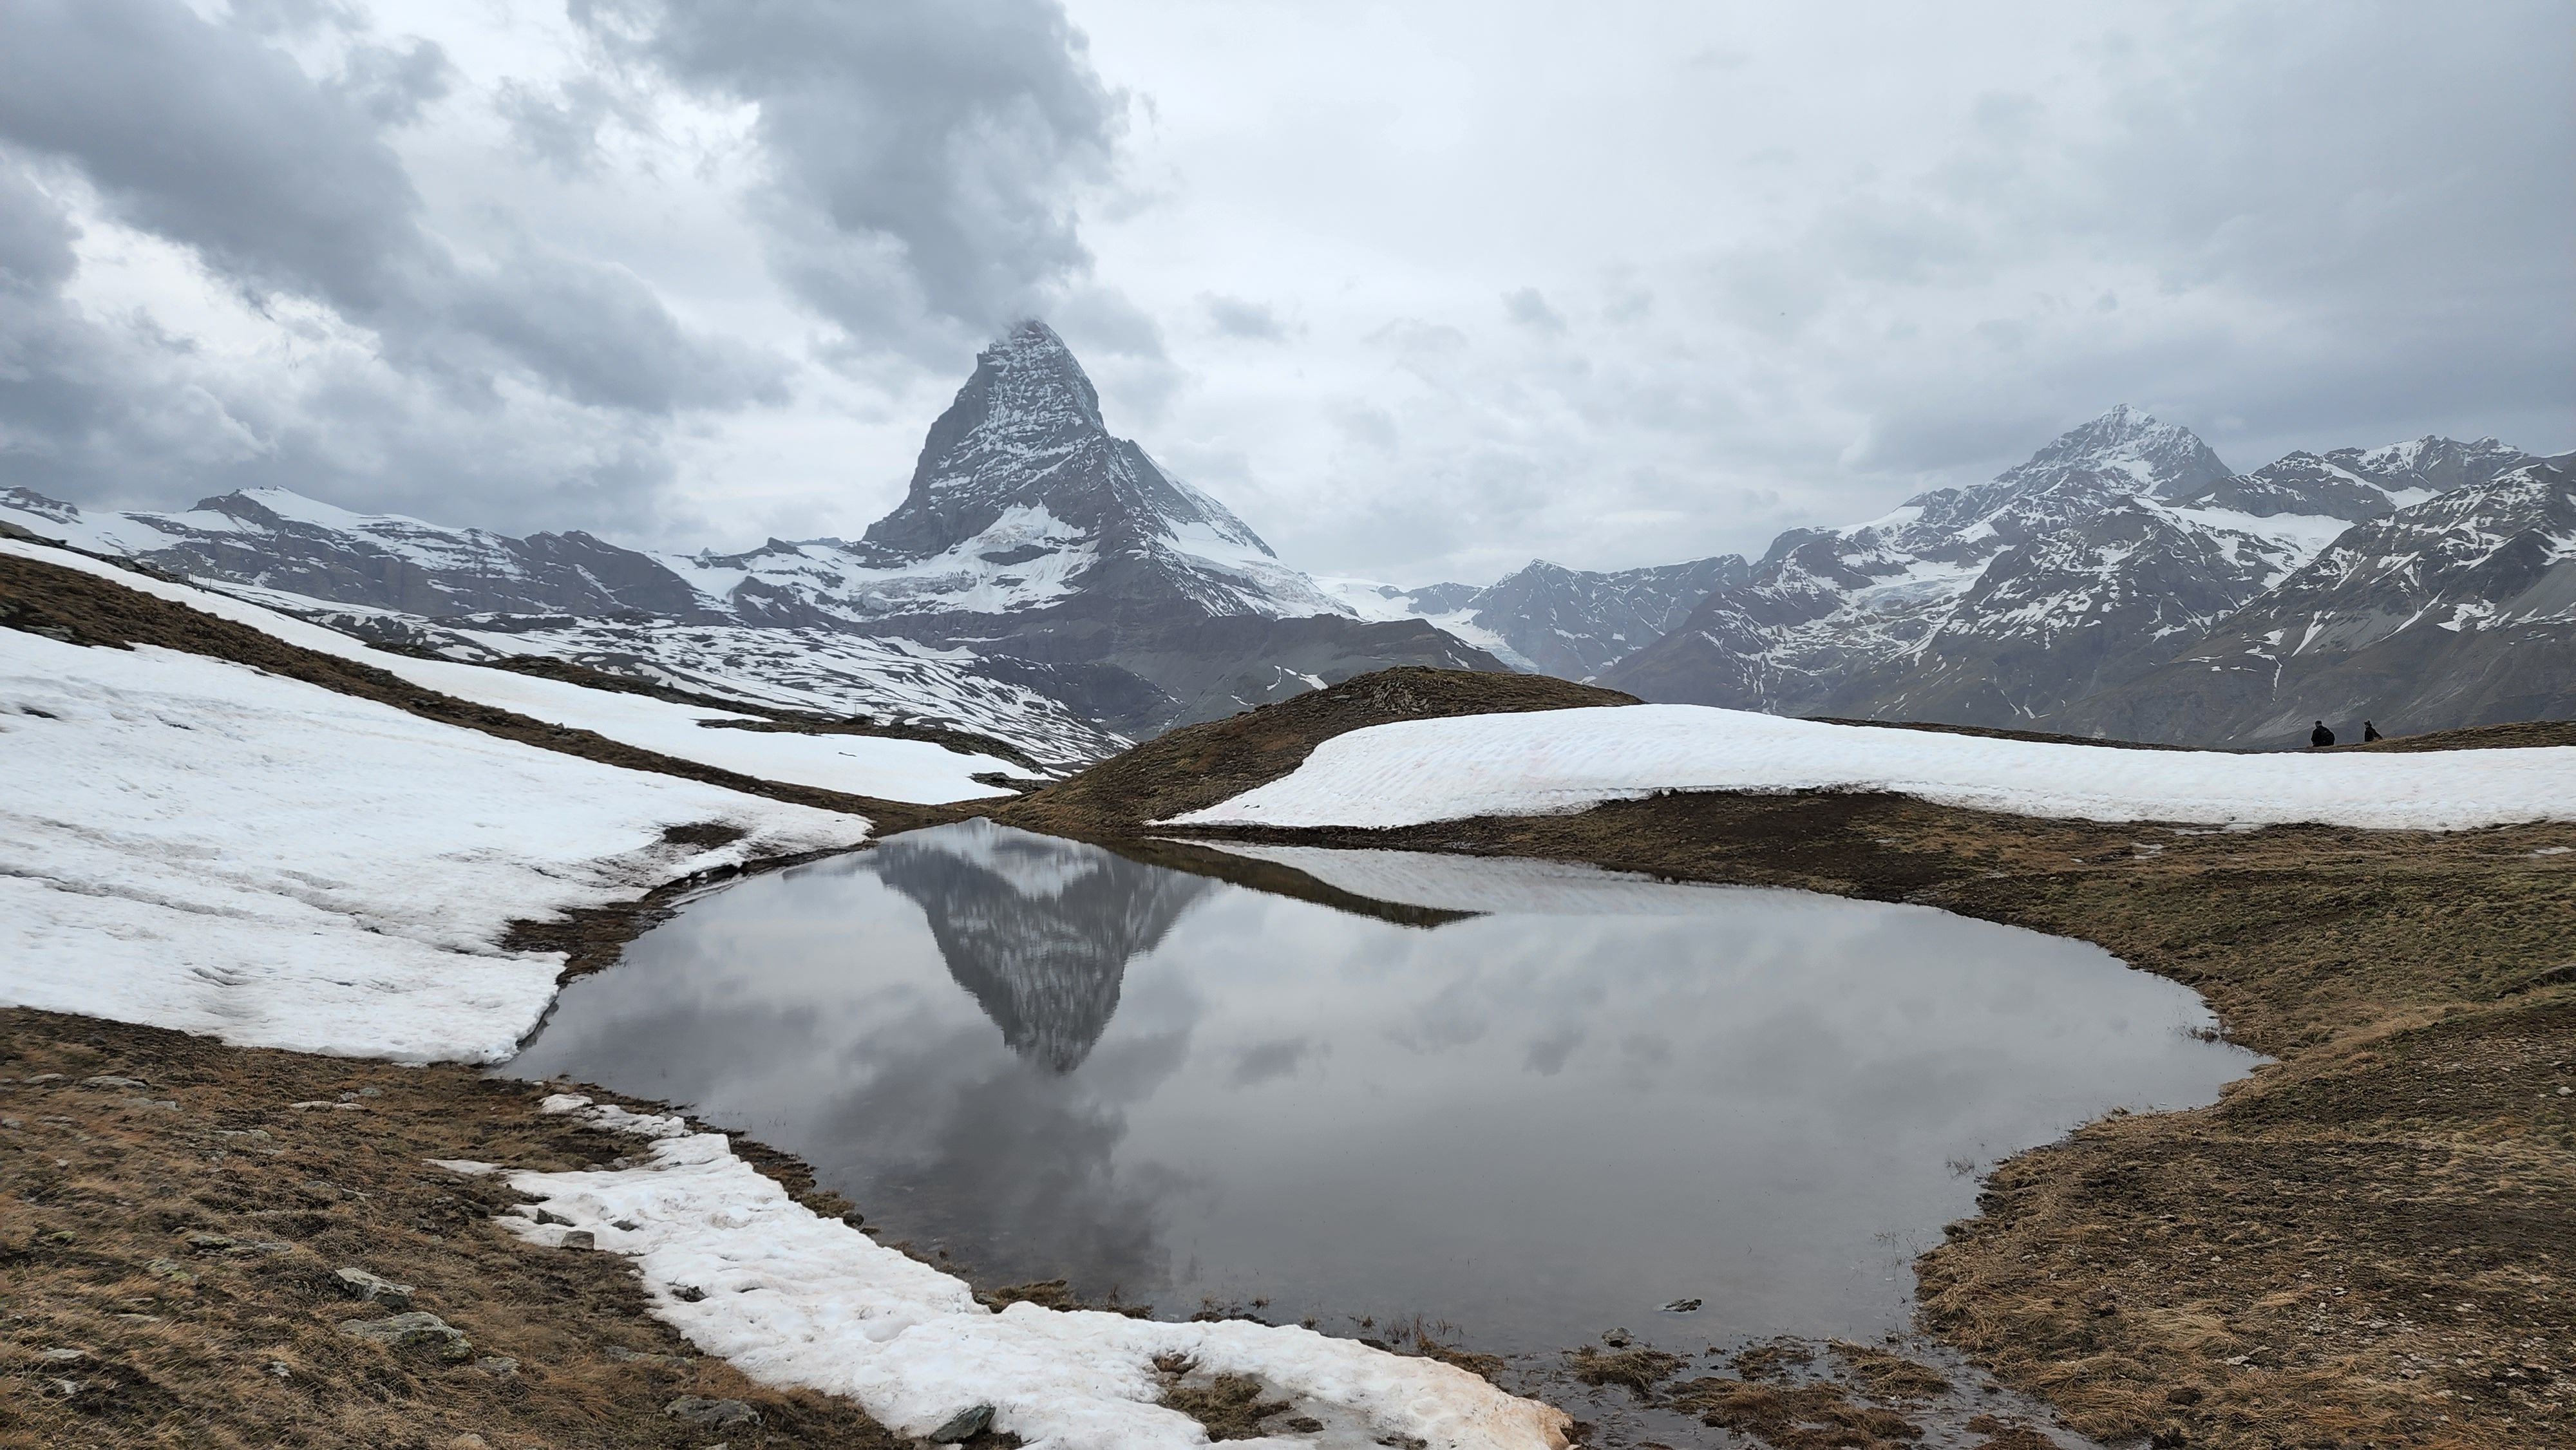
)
(1034, 552)
(1047, 581)
(2045, 596)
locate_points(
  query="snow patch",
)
(791, 1298)
(191, 843)
(1555, 761)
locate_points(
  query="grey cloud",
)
(926, 153)
(214, 139)
(283, 185)
(393, 84)
(605, 338)
(564, 133)
(1252, 321)
(208, 136)
(1530, 310)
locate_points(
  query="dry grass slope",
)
(1199, 765)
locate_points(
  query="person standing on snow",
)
(2369, 733)
(2320, 737)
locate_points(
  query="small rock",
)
(169, 1269)
(548, 1215)
(579, 1238)
(1618, 1339)
(281, 1369)
(11, 1123)
(209, 1243)
(469, 1441)
(64, 1389)
(628, 1225)
(698, 1410)
(498, 1366)
(371, 1092)
(965, 1424)
(1682, 1306)
(359, 1284)
(417, 1328)
(64, 1356)
(45, 1077)
(687, 1293)
(855, 1219)
(105, 1081)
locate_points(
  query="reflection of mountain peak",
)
(1039, 930)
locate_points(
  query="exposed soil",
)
(168, 1252)
(1199, 765)
(80, 608)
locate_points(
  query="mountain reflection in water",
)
(1039, 934)
(1534, 1124)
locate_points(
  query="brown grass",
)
(1639, 1369)
(107, 1194)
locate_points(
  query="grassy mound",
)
(1199, 765)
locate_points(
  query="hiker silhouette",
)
(2370, 732)
(2320, 737)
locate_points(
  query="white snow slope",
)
(902, 770)
(1566, 760)
(191, 843)
(796, 1299)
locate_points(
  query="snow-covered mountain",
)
(2117, 548)
(1551, 620)
(1043, 580)
(1039, 931)
(2456, 610)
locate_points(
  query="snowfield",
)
(190, 843)
(795, 1299)
(903, 770)
(1558, 761)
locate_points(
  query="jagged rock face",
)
(2460, 610)
(1022, 501)
(2112, 551)
(2083, 473)
(1039, 931)
(1575, 624)
(279, 540)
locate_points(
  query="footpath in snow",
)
(1556, 761)
(889, 769)
(745, 1272)
(190, 843)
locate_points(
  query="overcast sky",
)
(1421, 291)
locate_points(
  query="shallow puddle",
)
(1528, 1126)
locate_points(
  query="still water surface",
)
(1532, 1125)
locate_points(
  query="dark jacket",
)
(2321, 736)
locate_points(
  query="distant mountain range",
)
(2122, 582)
(1048, 582)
